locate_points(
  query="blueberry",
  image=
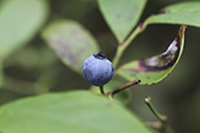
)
(97, 69)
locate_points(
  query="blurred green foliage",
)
(33, 68)
(65, 112)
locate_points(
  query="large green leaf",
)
(20, 20)
(70, 41)
(73, 112)
(187, 13)
(121, 15)
(156, 68)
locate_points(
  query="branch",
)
(161, 118)
(129, 84)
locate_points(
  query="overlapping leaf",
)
(121, 15)
(20, 20)
(156, 68)
(70, 41)
(187, 13)
(73, 112)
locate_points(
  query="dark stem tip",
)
(138, 81)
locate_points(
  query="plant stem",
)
(122, 46)
(161, 118)
(101, 89)
(129, 84)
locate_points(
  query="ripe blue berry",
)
(97, 69)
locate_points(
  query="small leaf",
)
(121, 15)
(73, 112)
(70, 41)
(20, 20)
(187, 13)
(156, 68)
(123, 97)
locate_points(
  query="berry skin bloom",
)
(97, 69)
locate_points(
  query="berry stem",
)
(101, 89)
(129, 84)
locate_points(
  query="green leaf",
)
(23, 87)
(1, 75)
(20, 20)
(70, 41)
(156, 68)
(73, 112)
(8, 96)
(187, 13)
(123, 97)
(121, 15)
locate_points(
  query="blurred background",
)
(34, 68)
